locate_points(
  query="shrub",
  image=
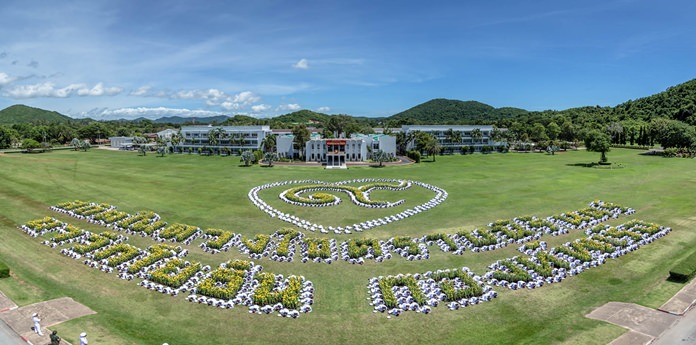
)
(4, 270)
(684, 270)
(414, 155)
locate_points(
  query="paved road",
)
(683, 332)
(9, 337)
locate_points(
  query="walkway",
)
(673, 323)
(51, 312)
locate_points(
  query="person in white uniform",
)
(37, 323)
(83, 338)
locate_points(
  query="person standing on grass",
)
(55, 339)
(37, 323)
(83, 338)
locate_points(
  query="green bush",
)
(4, 270)
(415, 155)
(684, 270)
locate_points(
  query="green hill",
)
(302, 116)
(677, 102)
(448, 111)
(20, 113)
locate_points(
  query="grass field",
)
(211, 192)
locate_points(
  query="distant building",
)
(121, 142)
(233, 138)
(439, 131)
(167, 134)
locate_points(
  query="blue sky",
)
(126, 59)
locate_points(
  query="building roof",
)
(227, 128)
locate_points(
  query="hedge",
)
(4, 270)
(684, 270)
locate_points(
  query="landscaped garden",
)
(208, 251)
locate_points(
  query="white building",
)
(466, 132)
(121, 142)
(358, 148)
(233, 139)
(167, 134)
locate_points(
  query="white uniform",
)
(83, 339)
(37, 324)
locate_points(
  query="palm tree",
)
(270, 157)
(214, 137)
(247, 158)
(176, 139)
(301, 136)
(401, 142)
(454, 138)
(476, 134)
(432, 146)
(75, 143)
(381, 157)
(236, 139)
(269, 143)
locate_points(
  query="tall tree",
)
(268, 143)
(301, 135)
(476, 134)
(553, 130)
(597, 141)
(432, 146)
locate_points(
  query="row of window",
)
(322, 157)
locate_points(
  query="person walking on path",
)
(83, 338)
(37, 324)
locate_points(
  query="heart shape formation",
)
(359, 196)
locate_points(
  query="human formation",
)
(163, 267)
(283, 244)
(359, 196)
(537, 267)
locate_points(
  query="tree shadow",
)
(582, 165)
(596, 165)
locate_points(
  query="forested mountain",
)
(667, 118)
(20, 113)
(677, 102)
(448, 111)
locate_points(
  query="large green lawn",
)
(211, 192)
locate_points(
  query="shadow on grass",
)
(597, 165)
(267, 166)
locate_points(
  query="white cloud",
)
(260, 108)
(302, 64)
(150, 113)
(6, 79)
(141, 91)
(211, 97)
(99, 90)
(48, 89)
(323, 109)
(289, 107)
